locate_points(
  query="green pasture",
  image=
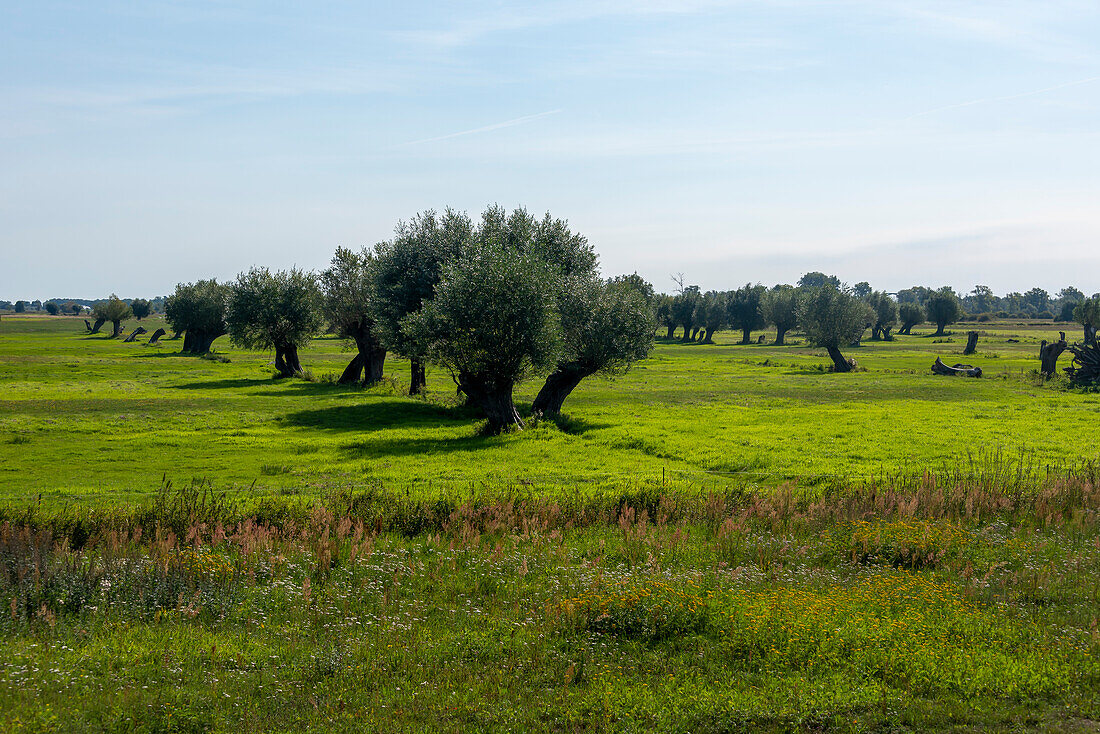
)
(91, 419)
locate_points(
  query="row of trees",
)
(494, 302)
(141, 307)
(831, 314)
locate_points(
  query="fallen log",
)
(157, 335)
(971, 342)
(134, 335)
(939, 368)
(1049, 354)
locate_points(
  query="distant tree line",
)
(493, 302)
(833, 315)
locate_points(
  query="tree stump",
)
(134, 335)
(1049, 354)
(939, 368)
(157, 335)
(760, 339)
(971, 342)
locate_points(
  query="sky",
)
(901, 142)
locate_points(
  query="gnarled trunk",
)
(746, 336)
(939, 368)
(495, 400)
(557, 387)
(694, 332)
(886, 334)
(156, 336)
(188, 340)
(939, 329)
(286, 360)
(874, 333)
(708, 336)
(136, 333)
(687, 332)
(418, 378)
(840, 364)
(671, 331)
(780, 337)
(87, 324)
(97, 325)
(370, 358)
(116, 327)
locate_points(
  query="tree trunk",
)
(746, 336)
(687, 333)
(353, 371)
(557, 387)
(671, 331)
(886, 334)
(971, 342)
(188, 341)
(1049, 354)
(939, 368)
(780, 337)
(205, 342)
(418, 379)
(939, 329)
(98, 325)
(116, 328)
(495, 401)
(136, 333)
(1090, 334)
(175, 335)
(840, 364)
(87, 325)
(286, 360)
(708, 336)
(694, 332)
(156, 336)
(906, 329)
(874, 333)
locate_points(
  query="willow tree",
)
(279, 311)
(492, 321)
(405, 272)
(744, 310)
(832, 318)
(779, 307)
(943, 308)
(885, 311)
(911, 314)
(198, 311)
(114, 310)
(348, 288)
(606, 327)
(712, 314)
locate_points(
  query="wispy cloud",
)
(483, 129)
(984, 100)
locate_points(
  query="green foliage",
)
(268, 310)
(911, 314)
(779, 307)
(817, 279)
(712, 313)
(348, 292)
(943, 308)
(744, 309)
(606, 326)
(1087, 312)
(20, 306)
(141, 308)
(114, 310)
(885, 313)
(52, 308)
(831, 317)
(198, 307)
(407, 268)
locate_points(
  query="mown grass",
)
(88, 419)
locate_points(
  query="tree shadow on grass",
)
(377, 448)
(380, 414)
(223, 384)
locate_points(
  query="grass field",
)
(90, 419)
(728, 538)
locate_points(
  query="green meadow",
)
(726, 539)
(88, 419)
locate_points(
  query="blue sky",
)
(897, 141)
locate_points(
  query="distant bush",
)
(984, 317)
(1002, 314)
(1044, 315)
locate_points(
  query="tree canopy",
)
(744, 309)
(349, 305)
(198, 310)
(779, 307)
(279, 311)
(114, 310)
(832, 318)
(943, 308)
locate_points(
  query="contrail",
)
(1001, 99)
(486, 128)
